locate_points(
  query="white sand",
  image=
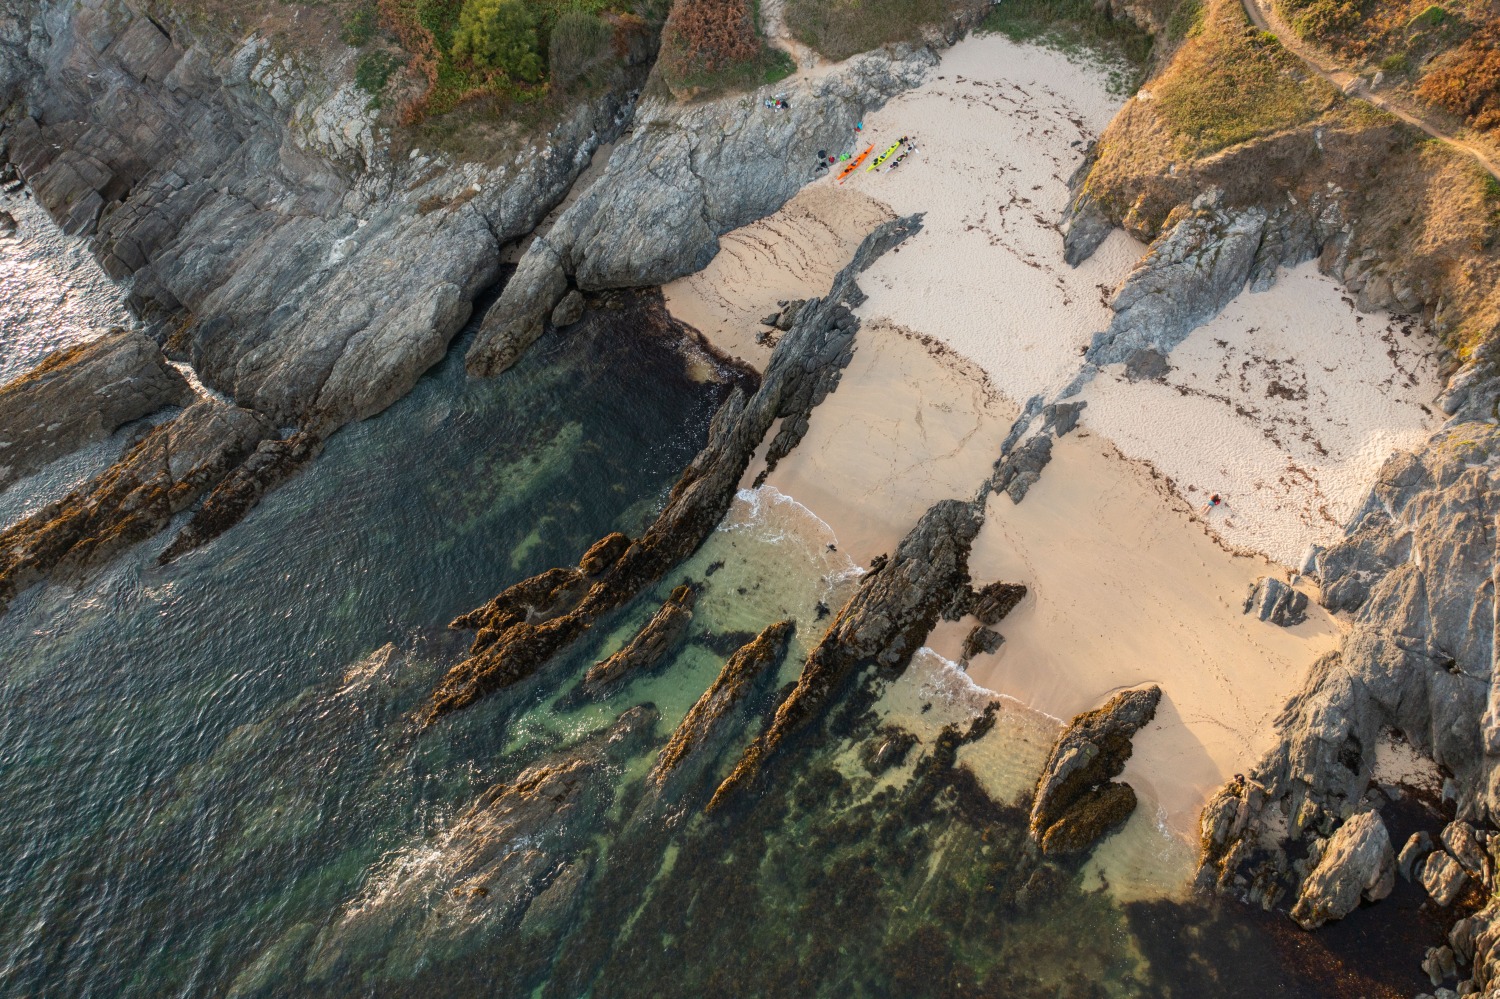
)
(1286, 405)
(52, 292)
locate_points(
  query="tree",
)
(499, 34)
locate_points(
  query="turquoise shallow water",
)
(213, 784)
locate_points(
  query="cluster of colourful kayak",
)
(901, 146)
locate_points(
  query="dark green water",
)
(211, 784)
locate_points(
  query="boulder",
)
(981, 640)
(1464, 846)
(1442, 876)
(1272, 600)
(1356, 864)
(1077, 802)
(569, 310)
(1417, 846)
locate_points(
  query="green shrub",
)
(1395, 65)
(360, 27)
(1432, 17)
(499, 35)
(1322, 19)
(579, 43)
(374, 70)
(1185, 18)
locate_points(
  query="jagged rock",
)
(1060, 418)
(1272, 600)
(569, 310)
(803, 369)
(1442, 876)
(706, 726)
(136, 497)
(504, 854)
(1465, 848)
(1021, 469)
(787, 317)
(1087, 227)
(1439, 964)
(1417, 846)
(1200, 262)
(881, 626)
(995, 600)
(80, 395)
(1077, 802)
(7, 224)
(684, 176)
(981, 640)
(1356, 863)
(272, 463)
(657, 639)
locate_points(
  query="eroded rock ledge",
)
(803, 368)
(81, 395)
(160, 477)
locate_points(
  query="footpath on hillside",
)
(1354, 85)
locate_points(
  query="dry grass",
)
(1230, 83)
(838, 29)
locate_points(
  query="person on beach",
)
(1213, 501)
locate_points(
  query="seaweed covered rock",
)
(80, 395)
(803, 369)
(1077, 801)
(657, 638)
(521, 844)
(880, 627)
(709, 722)
(272, 463)
(136, 497)
(1356, 864)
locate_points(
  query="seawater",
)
(208, 770)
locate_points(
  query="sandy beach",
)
(1286, 405)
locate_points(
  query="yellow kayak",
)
(883, 157)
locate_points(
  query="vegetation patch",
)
(1466, 81)
(1230, 83)
(839, 29)
(709, 46)
(1082, 27)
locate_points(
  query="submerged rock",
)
(80, 395)
(1272, 600)
(136, 497)
(1077, 801)
(657, 638)
(803, 369)
(522, 844)
(1356, 864)
(880, 627)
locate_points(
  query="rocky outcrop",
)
(517, 853)
(1356, 864)
(250, 194)
(803, 369)
(1442, 876)
(80, 395)
(1022, 457)
(881, 627)
(160, 477)
(1077, 800)
(1272, 600)
(657, 639)
(269, 465)
(684, 176)
(709, 723)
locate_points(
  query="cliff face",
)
(247, 195)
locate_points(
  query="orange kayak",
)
(853, 166)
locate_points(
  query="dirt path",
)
(1353, 85)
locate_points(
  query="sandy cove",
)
(1286, 405)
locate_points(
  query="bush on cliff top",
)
(708, 46)
(499, 35)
